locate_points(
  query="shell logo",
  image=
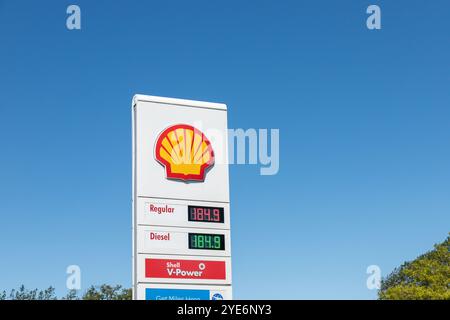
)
(185, 152)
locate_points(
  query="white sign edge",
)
(181, 102)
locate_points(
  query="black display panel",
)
(206, 241)
(206, 214)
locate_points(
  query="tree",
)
(103, 292)
(107, 292)
(35, 294)
(71, 295)
(425, 278)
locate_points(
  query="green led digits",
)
(206, 241)
(217, 242)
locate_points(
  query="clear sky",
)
(364, 119)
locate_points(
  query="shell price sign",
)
(180, 208)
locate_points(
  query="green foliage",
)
(25, 294)
(71, 295)
(103, 292)
(107, 292)
(425, 278)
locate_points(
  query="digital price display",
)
(206, 241)
(205, 214)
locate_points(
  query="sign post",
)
(180, 206)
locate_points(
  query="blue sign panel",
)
(176, 294)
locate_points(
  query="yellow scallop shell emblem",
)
(185, 152)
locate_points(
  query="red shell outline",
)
(180, 176)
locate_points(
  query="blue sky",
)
(363, 118)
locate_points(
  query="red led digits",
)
(216, 215)
(206, 214)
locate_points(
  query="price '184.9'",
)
(205, 214)
(206, 241)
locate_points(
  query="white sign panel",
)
(152, 118)
(183, 241)
(181, 213)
